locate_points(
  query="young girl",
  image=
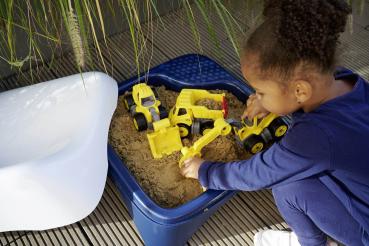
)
(319, 172)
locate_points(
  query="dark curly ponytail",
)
(296, 31)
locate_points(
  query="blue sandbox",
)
(174, 226)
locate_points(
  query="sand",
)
(160, 178)
(210, 104)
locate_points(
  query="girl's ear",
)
(302, 91)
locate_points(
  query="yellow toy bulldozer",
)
(144, 106)
(165, 139)
(256, 134)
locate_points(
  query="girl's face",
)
(274, 96)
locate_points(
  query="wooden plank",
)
(110, 223)
(122, 214)
(6, 238)
(176, 38)
(124, 58)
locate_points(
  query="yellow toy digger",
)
(144, 106)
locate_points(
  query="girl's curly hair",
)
(296, 31)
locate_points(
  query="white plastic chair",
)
(53, 150)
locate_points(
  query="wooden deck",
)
(237, 221)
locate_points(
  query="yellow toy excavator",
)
(221, 127)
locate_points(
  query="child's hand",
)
(191, 167)
(254, 108)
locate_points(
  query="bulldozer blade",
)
(165, 141)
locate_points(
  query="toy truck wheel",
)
(163, 112)
(140, 122)
(184, 130)
(206, 126)
(254, 144)
(128, 101)
(278, 128)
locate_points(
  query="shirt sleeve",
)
(303, 152)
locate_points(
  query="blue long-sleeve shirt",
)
(331, 143)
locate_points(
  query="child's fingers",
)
(184, 170)
(187, 162)
(244, 115)
(261, 115)
(251, 113)
(250, 100)
(186, 166)
(248, 114)
(187, 172)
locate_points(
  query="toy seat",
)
(53, 150)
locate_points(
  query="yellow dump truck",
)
(192, 118)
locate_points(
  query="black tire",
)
(163, 112)
(205, 126)
(140, 122)
(278, 128)
(254, 144)
(184, 130)
(128, 101)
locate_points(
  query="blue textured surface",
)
(162, 226)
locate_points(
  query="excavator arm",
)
(221, 127)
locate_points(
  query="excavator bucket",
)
(165, 139)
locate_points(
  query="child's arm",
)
(303, 152)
